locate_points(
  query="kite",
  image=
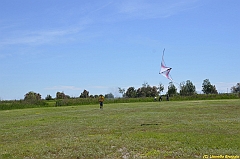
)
(164, 69)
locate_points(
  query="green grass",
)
(175, 129)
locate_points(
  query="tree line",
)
(84, 94)
(186, 89)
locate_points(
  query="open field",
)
(175, 129)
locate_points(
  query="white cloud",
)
(121, 10)
(101, 7)
(38, 37)
(159, 9)
(53, 35)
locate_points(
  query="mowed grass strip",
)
(181, 129)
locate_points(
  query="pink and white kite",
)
(164, 69)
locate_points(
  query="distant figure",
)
(101, 99)
(160, 98)
(167, 97)
(155, 98)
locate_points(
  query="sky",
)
(50, 46)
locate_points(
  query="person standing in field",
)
(101, 99)
(160, 98)
(167, 97)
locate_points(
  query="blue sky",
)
(56, 45)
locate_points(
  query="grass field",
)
(175, 129)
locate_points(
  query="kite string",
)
(162, 57)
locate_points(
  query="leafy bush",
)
(205, 97)
(21, 104)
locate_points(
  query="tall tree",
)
(84, 94)
(109, 95)
(131, 92)
(147, 91)
(172, 90)
(141, 92)
(32, 96)
(236, 89)
(60, 95)
(154, 91)
(48, 97)
(187, 88)
(208, 88)
(122, 91)
(160, 88)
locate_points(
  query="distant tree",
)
(60, 95)
(141, 92)
(122, 91)
(48, 97)
(214, 90)
(236, 89)
(95, 96)
(154, 91)
(208, 88)
(131, 92)
(172, 90)
(187, 88)
(109, 95)
(84, 94)
(32, 96)
(160, 87)
(147, 91)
